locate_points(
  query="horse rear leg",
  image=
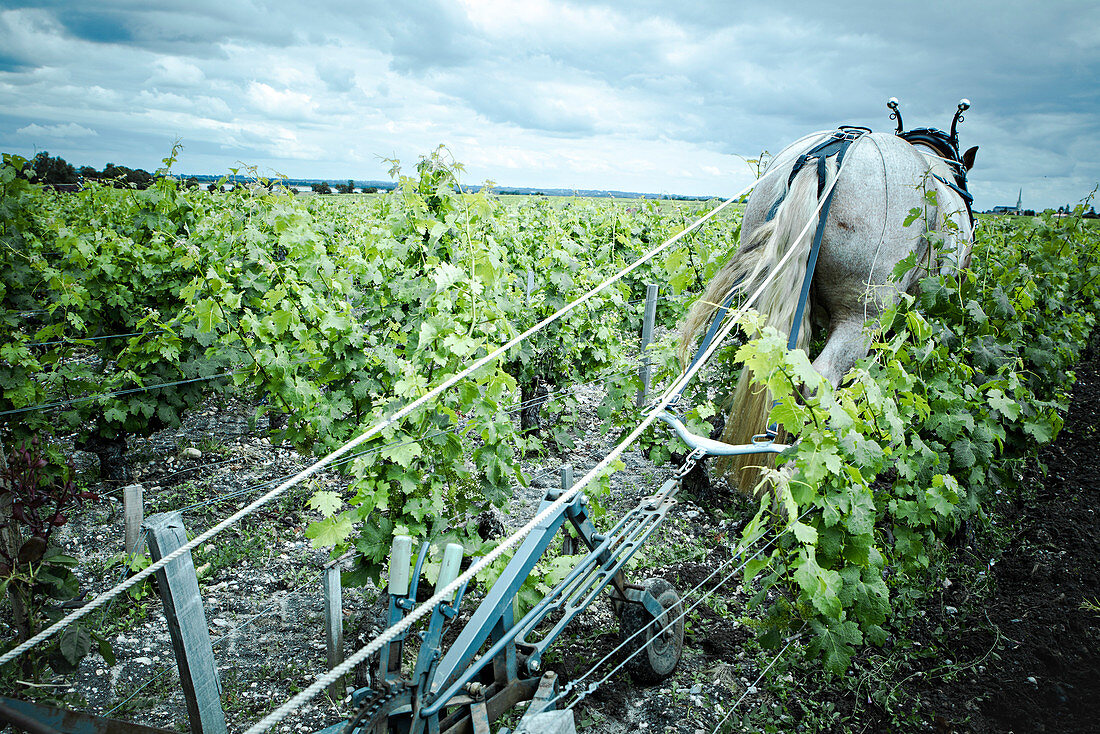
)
(848, 342)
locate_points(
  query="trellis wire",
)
(607, 377)
(351, 457)
(163, 671)
(262, 613)
(345, 460)
(790, 641)
(514, 408)
(443, 594)
(80, 340)
(347, 447)
(687, 610)
(602, 379)
(132, 390)
(664, 297)
(116, 393)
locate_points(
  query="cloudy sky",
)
(640, 96)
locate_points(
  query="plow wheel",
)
(662, 640)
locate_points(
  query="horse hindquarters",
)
(757, 258)
(884, 179)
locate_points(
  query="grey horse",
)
(883, 179)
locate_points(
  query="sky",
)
(657, 97)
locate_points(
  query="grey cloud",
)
(340, 79)
(69, 130)
(98, 26)
(12, 63)
(193, 28)
(715, 77)
(424, 36)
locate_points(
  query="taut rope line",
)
(740, 548)
(322, 682)
(370, 433)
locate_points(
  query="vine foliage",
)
(964, 380)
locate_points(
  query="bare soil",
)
(1019, 645)
(1038, 632)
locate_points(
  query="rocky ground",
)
(261, 581)
(1029, 630)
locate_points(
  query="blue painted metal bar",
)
(428, 656)
(610, 552)
(506, 639)
(575, 594)
(500, 596)
(389, 657)
(505, 663)
(419, 705)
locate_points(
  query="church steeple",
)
(1020, 201)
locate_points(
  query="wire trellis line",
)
(81, 340)
(351, 457)
(741, 548)
(144, 388)
(400, 414)
(749, 688)
(235, 630)
(117, 393)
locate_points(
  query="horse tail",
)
(750, 267)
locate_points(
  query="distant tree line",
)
(56, 171)
(343, 188)
(119, 176)
(1079, 209)
(45, 169)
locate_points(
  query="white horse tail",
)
(753, 266)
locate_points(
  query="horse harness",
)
(837, 145)
(947, 151)
(944, 145)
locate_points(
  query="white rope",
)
(924, 150)
(445, 593)
(370, 433)
(882, 235)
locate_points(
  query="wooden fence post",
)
(334, 625)
(179, 591)
(570, 545)
(134, 512)
(647, 339)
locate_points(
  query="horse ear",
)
(968, 157)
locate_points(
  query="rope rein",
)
(362, 438)
(444, 594)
